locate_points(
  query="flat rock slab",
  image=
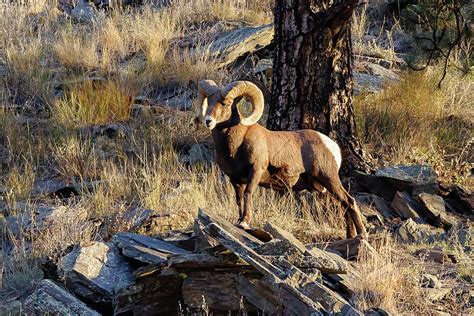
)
(230, 46)
(407, 207)
(413, 179)
(145, 249)
(95, 273)
(51, 299)
(434, 211)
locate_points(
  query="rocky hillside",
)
(103, 171)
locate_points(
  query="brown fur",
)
(253, 155)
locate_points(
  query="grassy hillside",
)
(58, 125)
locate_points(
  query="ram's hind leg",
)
(354, 223)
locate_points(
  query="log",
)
(258, 295)
(243, 251)
(145, 249)
(51, 299)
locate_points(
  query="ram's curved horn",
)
(249, 90)
(205, 88)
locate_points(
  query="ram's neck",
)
(228, 140)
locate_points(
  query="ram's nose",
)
(210, 122)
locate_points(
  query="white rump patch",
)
(333, 148)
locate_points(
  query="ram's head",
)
(216, 104)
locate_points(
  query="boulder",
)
(95, 273)
(51, 299)
(233, 44)
(406, 207)
(413, 179)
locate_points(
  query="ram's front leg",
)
(239, 197)
(253, 180)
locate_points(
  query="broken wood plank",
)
(51, 299)
(145, 249)
(282, 234)
(345, 283)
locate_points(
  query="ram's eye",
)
(226, 104)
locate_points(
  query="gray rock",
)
(379, 203)
(406, 207)
(51, 299)
(95, 273)
(414, 179)
(198, 153)
(434, 211)
(230, 46)
(145, 249)
(409, 232)
(85, 12)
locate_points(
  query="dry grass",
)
(89, 103)
(413, 121)
(137, 51)
(389, 281)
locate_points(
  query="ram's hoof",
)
(242, 225)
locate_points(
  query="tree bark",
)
(312, 77)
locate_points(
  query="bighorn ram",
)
(252, 155)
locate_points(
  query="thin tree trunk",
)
(312, 78)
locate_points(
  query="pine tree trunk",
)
(312, 78)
